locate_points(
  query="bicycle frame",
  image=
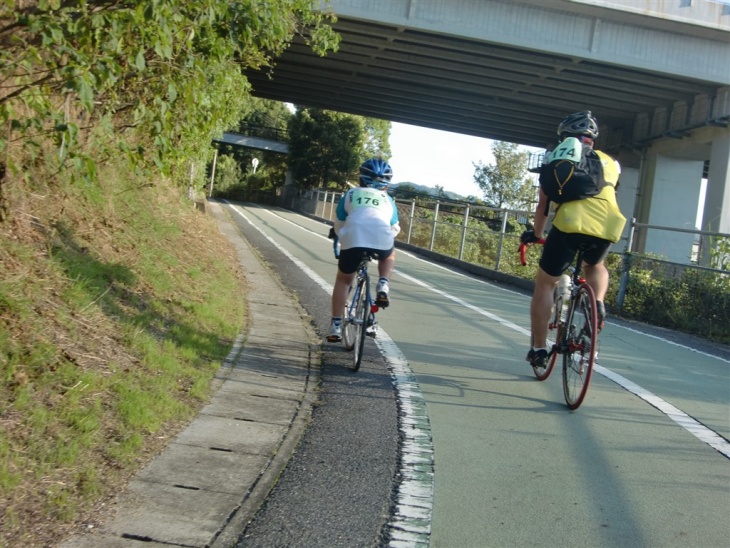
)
(359, 313)
(361, 276)
(576, 335)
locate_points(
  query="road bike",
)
(574, 324)
(358, 319)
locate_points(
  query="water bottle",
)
(564, 292)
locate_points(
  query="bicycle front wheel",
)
(581, 345)
(360, 318)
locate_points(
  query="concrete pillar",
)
(716, 213)
(642, 207)
(627, 196)
(675, 191)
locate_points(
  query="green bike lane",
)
(514, 467)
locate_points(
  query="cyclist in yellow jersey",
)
(595, 221)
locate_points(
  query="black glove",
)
(529, 237)
(332, 234)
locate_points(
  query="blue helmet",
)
(375, 173)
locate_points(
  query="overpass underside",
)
(656, 74)
(506, 70)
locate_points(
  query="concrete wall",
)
(627, 194)
(674, 201)
(665, 39)
(716, 215)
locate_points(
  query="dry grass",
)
(115, 312)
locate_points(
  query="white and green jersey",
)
(366, 217)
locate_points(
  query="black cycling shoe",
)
(538, 358)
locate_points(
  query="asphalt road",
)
(643, 462)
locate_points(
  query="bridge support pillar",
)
(627, 195)
(669, 197)
(716, 213)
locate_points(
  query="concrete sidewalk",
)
(213, 477)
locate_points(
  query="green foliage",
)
(227, 174)
(170, 70)
(324, 147)
(377, 139)
(404, 191)
(328, 147)
(720, 253)
(265, 114)
(690, 300)
(686, 299)
(104, 346)
(264, 118)
(505, 183)
(481, 241)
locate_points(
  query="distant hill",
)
(429, 191)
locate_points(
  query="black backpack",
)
(573, 171)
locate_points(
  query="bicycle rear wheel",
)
(581, 345)
(348, 329)
(361, 313)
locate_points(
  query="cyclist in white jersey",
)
(367, 220)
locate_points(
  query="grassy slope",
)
(118, 303)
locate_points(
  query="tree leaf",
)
(139, 61)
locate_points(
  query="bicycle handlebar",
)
(523, 249)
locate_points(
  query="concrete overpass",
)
(253, 141)
(656, 74)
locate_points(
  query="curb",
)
(214, 476)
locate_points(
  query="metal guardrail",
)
(437, 213)
(684, 296)
(428, 226)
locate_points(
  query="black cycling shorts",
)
(560, 249)
(350, 258)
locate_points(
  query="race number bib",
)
(569, 149)
(367, 197)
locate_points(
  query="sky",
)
(431, 157)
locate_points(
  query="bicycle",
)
(575, 324)
(358, 319)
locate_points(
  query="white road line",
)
(465, 304)
(411, 523)
(699, 430)
(696, 428)
(500, 288)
